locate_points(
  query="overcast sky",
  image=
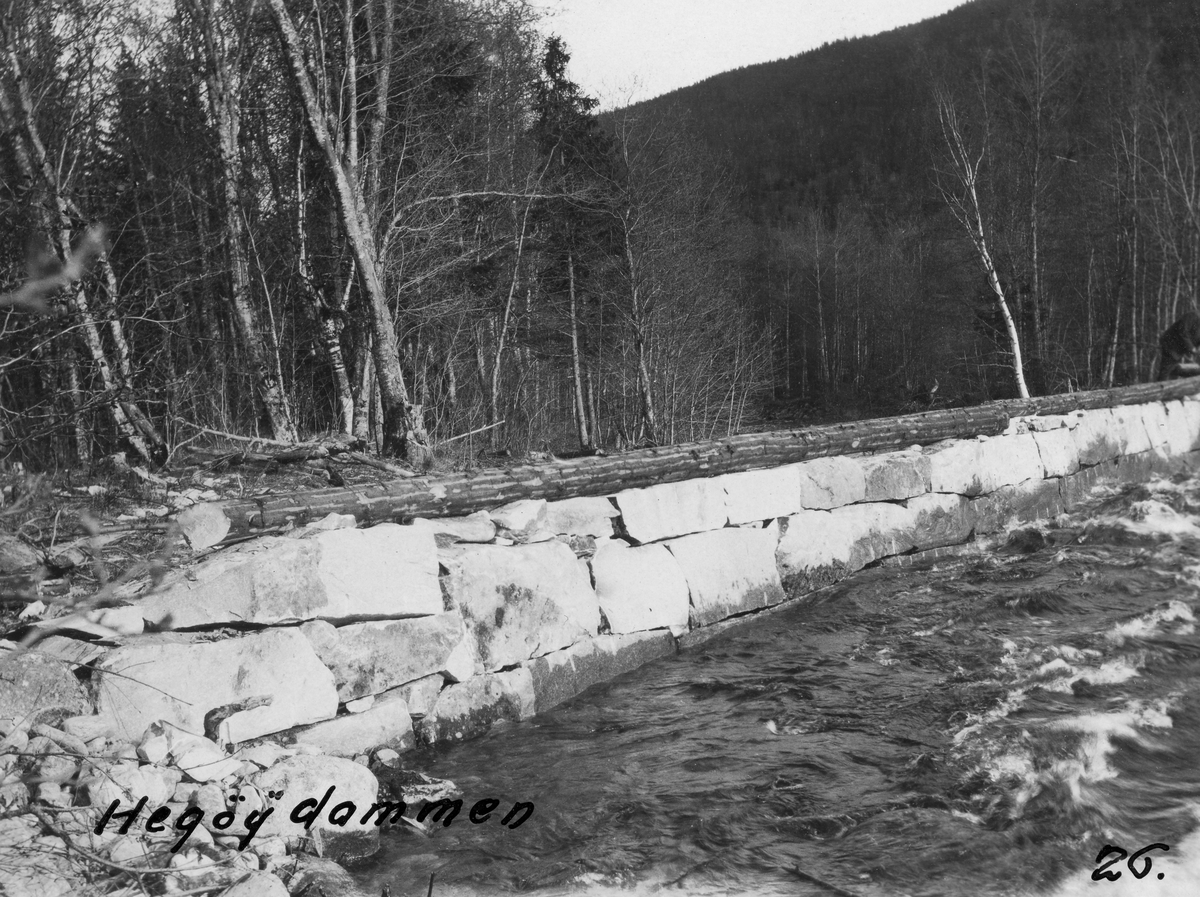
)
(628, 50)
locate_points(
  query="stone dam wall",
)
(299, 665)
(347, 639)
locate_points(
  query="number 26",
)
(1102, 873)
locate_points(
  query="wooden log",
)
(465, 492)
(1064, 403)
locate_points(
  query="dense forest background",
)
(403, 221)
(1080, 119)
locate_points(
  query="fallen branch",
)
(233, 437)
(360, 458)
(498, 423)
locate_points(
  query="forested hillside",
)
(396, 219)
(1082, 117)
(402, 220)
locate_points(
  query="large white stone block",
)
(1131, 429)
(895, 476)
(672, 509)
(521, 601)
(1182, 436)
(369, 658)
(1011, 460)
(640, 588)
(180, 681)
(581, 517)
(1191, 413)
(823, 546)
(757, 495)
(957, 466)
(1154, 419)
(728, 572)
(978, 466)
(386, 571)
(470, 708)
(477, 527)
(831, 482)
(385, 724)
(522, 521)
(942, 518)
(1096, 437)
(561, 675)
(1058, 451)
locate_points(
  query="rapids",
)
(983, 725)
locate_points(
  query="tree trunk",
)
(224, 113)
(403, 430)
(967, 210)
(639, 318)
(34, 167)
(329, 319)
(581, 418)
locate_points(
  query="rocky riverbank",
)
(86, 812)
(256, 698)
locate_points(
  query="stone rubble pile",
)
(84, 810)
(335, 640)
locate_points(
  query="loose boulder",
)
(39, 686)
(329, 796)
(16, 556)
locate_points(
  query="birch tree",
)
(403, 429)
(58, 216)
(959, 182)
(224, 57)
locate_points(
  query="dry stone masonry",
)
(335, 641)
(442, 627)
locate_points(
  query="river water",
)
(981, 726)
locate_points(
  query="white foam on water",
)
(1056, 667)
(1175, 611)
(1151, 517)
(1112, 672)
(976, 722)
(1099, 729)
(1012, 763)
(1157, 485)
(1075, 655)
